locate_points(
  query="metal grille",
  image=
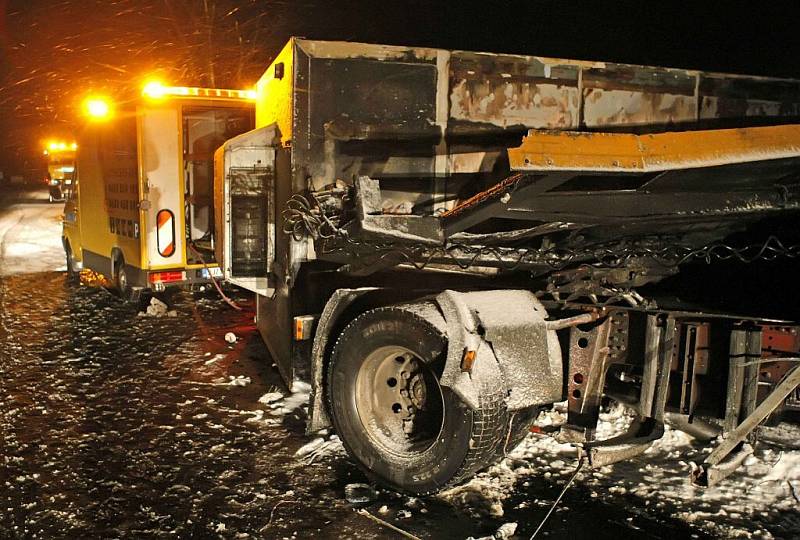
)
(250, 207)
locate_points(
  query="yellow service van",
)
(140, 209)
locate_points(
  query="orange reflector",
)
(467, 360)
(302, 327)
(165, 232)
(166, 277)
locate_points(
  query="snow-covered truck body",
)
(444, 242)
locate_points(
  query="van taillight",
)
(166, 277)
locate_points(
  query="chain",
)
(304, 217)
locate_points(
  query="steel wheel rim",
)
(399, 401)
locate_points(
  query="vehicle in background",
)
(140, 208)
(445, 242)
(60, 167)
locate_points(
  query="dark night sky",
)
(53, 52)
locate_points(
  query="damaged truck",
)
(443, 243)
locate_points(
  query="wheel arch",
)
(73, 265)
(67, 242)
(342, 307)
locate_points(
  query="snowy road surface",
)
(117, 425)
(30, 238)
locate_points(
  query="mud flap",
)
(500, 338)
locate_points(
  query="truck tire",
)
(520, 426)
(401, 427)
(73, 274)
(120, 278)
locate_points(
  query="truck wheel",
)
(395, 419)
(121, 282)
(72, 272)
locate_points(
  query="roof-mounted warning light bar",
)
(157, 90)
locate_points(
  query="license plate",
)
(215, 271)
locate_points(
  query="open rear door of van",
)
(161, 187)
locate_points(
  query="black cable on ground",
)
(558, 499)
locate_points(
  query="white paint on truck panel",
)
(161, 156)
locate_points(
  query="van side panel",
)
(120, 171)
(109, 194)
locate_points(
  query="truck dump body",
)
(443, 111)
(416, 219)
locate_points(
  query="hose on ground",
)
(227, 300)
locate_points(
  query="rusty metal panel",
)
(347, 49)
(478, 91)
(507, 91)
(734, 96)
(604, 108)
(618, 94)
(430, 116)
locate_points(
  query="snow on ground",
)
(766, 485)
(322, 445)
(30, 235)
(768, 482)
(114, 425)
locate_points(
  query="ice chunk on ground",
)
(215, 358)
(309, 447)
(506, 531)
(238, 380)
(270, 397)
(319, 447)
(298, 398)
(359, 493)
(156, 308)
